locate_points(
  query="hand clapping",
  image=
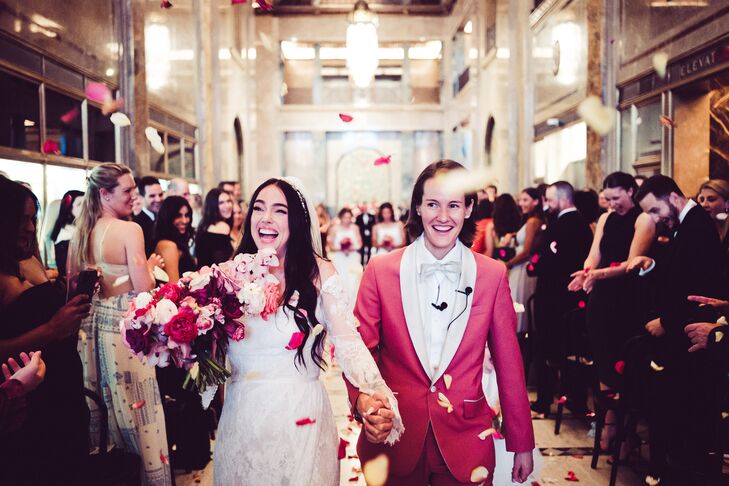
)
(377, 416)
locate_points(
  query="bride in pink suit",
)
(426, 312)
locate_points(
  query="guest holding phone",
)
(50, 447)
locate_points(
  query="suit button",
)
(432, 389)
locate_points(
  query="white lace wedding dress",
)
(259, 442)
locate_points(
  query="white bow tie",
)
(450, 270)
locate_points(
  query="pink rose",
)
(169, 291)
(271, 295)
(239, 333)
(182, 327)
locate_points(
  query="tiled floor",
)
(555, 466)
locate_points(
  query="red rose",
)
(181, 328)
(231, 307)
(169, 291)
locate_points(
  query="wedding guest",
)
(65, 227)
(23, 380)
(565, 245)
(500, 233)
(484, 212)
(436, 361)
(188, 433)
(212, 240)
(51, 446)
(236, 230)
(345, 242)
(231, 187)
(588, 204)
(388, 234)
(179, 187)
(365, 221)
(325, 223)
(695, 267)
(622, 234)
(152, 196)
(521, 283)
(714, 198)
(106, 240)
(492, 192)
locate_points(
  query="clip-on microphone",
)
(441, 307)
(467, 292)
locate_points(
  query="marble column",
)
(596, 145)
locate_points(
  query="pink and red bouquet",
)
(345, 245)
(189, 323)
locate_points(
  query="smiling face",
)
(270, 220)
(661, 210)
(76, 206)
(620, 200)
(225, 205)
(387, 215)
(527, 204)
(121, 199)
(153, 197)
(712, 202)
(443, 215)
(182, 220)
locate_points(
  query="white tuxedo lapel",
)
(411, 305)
(463, 303)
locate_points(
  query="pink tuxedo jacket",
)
(386, 332)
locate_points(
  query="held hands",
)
(377, 416)
(699, 333)
(67, 320)
(655, 328)
(31, 374)
(523, 466)
(639, 263)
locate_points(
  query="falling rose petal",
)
(138, 405)
(342, 448)
(651, 481)
(98, 92)
(121, 281)
(502, 253)
(519, 308)
(296, 339)
(571, 476)
(51, 147)
(267, 43)
(305, 421)
(159, 147)
(152, 135)
(165, 4)
(383, 160)
(112, 106)
(615, 264)
(553, 247)
(70, 115)
(447, 379)
(120, 119)
(163, 458)
(724, 415)
(660, 61)
(331, 351)
(656, 367)
(444, 402)
(317, 330)
(718, 336)
(376, 470)
(354, 479)
(464, 181)
(264, 5)
(562, 400)
(479, 474)
(486, 433)
(666, 121)
(620, 367)
(597, 116)
(581, 304)
(346, 118)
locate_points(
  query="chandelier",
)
(362, 45)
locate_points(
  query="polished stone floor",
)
(560, 454)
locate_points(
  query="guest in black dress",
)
(64, 228)
(52, 445)
(187, 423)
(213, 243)
(613, 309)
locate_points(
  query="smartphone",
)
(85, 284)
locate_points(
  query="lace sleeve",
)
(353, 356)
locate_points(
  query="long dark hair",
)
(300, 266)
(164, 226)
(415, 222)
(13, 197)
(622, 180)
(211, 211)
(507, 215)
(65, 214)
(538, 211)
(384, 206)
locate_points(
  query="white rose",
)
(142, 300)
(199, 281)
(252, 296)
(166, 310)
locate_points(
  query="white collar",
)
(423, 255)
(690, 204)
(149, 213)
(565, 211)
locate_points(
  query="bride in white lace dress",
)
(277, 427)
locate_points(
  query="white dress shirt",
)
(149, 213)
(436, 288)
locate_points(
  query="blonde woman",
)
(714, 198)
(107, 241)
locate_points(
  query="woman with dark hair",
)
(521, 284)
(344, 242)
(387, 234)
(613, 310)
(172, 235)
(65, 227)
(500, 233)
(277, 420)
(587, 203)
(212, 243)
(236, 228)
(51, 446)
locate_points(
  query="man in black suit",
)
(152, 196)
(565, 245)
(695, 267)
(365, 221)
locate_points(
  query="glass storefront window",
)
(640, 135)
(174, 156)
(25, 172)
(561, 155)
(19, 113)
(101, 136)
(63, 125)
